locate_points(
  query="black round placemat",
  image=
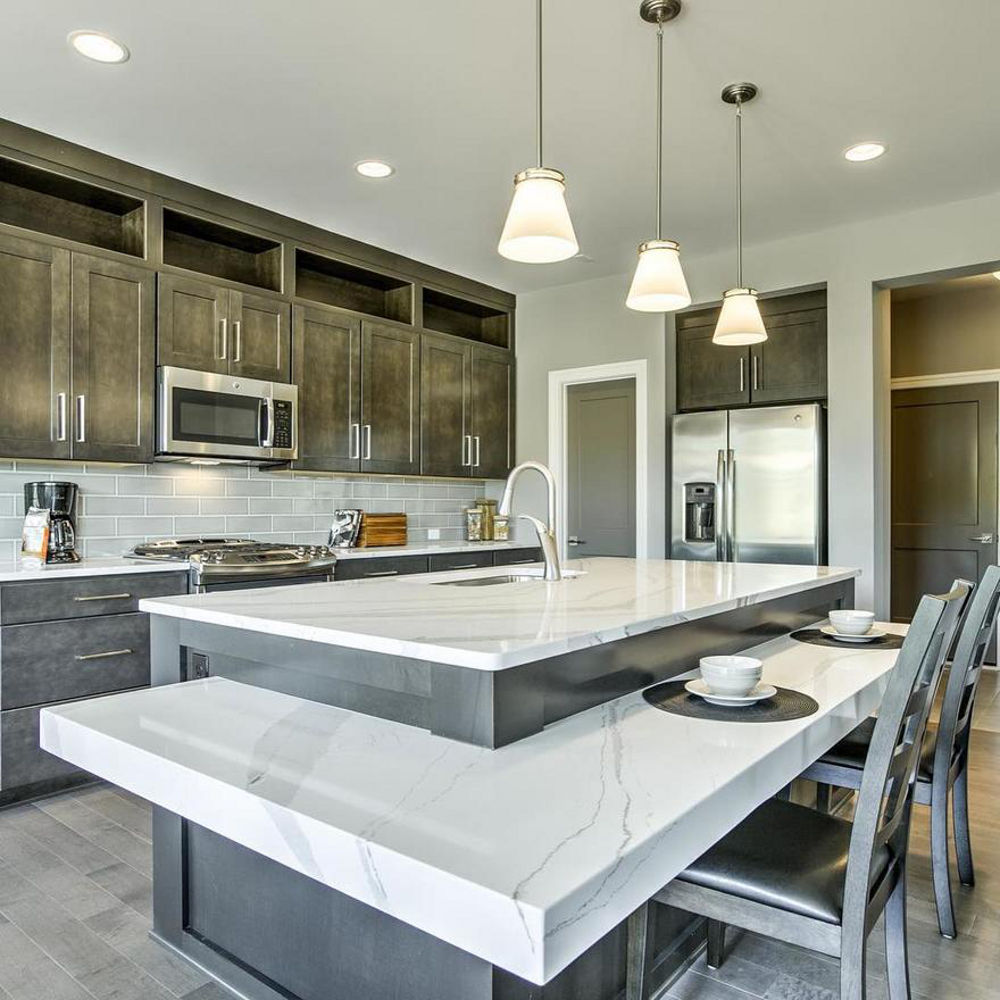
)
(813, 635)
(786, 705)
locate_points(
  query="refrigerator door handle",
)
(720, 507)
(731, 505)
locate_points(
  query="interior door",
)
(390, 399)
(34, 332)
(445, 405)
(944, 489)
(600, 433)
(260, 338)
(326, 366)
(192, 324)
(492, 413)
(113, 360)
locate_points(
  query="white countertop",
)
(13, 572)
(496, 627)
(525, 855)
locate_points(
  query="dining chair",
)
(943, 771)
(816, 880)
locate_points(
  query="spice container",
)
(489, 510)
(501, 528)
(474, 524)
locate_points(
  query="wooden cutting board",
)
(381, 529)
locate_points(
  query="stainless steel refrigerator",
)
(750, 485)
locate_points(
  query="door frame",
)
(559, 383)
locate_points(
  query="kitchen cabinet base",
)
(43, 789)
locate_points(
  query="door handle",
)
(731, 505)
(355, 444)
(743, 383)
(720, 506)
(61, 416)
(368, 442)
(573, 540)
(81, 419)
(223, 341)
(237, 341)
(985, 539)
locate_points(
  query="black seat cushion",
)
(852, 750)
(786, 856)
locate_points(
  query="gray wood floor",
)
(75, 909)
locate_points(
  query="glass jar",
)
(501, 528)
(474, 524)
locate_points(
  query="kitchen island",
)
(312, 851)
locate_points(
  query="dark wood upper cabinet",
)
(390, 399)
(261, 337)
(326, 366)
(445, 405)
(35, 334)
(192, 324)
(790, 366)
(113, 368)
(492, 413)
(709, 377)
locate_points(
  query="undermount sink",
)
(496, 581)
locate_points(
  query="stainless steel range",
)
(241, 563)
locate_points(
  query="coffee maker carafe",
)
(60, 500)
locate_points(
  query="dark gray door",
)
(446, 447)
(260, 337)
(326, 366)
(193, 324)
(34, 332)
(113, 360)
(390, 399)
(709, 377)
(600, 437)
(791, 364)
(944, 489)
(492, 413)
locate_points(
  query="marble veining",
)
(524, 856)
(496, 627)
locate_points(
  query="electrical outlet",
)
(433, 534)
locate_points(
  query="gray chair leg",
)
(637, 942)
(896, 959)
(822, 797)
(940, 867)
(963, 838)
(716, 933)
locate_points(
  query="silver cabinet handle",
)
(466, 450)
(355, 441)
(81, 419)
(223, 340)
(61, 416)
(368, 442)
(465, 566)
(475, 464)
(985, 539)
(103, 656)
(742, 379)
(237, 341)
(384, 572)
(756, 369)
(103, 597)
(520, 562)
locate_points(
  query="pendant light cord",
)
(538, 73)
(659, 130)
(739, 193)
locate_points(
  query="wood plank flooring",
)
(75, 909)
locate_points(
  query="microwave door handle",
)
(267, 431)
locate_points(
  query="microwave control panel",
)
(282, 424)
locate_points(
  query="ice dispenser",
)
(699, 512)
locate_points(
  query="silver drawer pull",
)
(104, 597)
(385, 572)
(104, 656)
(465, 566)
(521, 562)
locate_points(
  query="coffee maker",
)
(60, 500)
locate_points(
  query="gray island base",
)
(283, 925)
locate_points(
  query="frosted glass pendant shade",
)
(740, 321)
(658, 284)
(538, 229)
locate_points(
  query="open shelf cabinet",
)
(323, 279)
(444, 313)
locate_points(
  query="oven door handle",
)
(267, 432)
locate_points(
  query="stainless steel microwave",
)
(209, 416)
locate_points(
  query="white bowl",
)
(852, 622)
(733, 675)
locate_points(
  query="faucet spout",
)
(546, 532)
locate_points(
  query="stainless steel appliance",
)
(241, 563)
(750, 485)
(201, 415)
(60, 500)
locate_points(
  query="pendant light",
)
(740, 321)
(658, 284)
(538, 229)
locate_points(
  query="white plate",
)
(874, 633)
(702, 690)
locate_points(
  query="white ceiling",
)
(274, 101)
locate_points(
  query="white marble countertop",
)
(12, 572)
(496, 627)
(441, 548)
(525, 855)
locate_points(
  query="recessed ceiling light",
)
(98, 46)
(862, 151)
(374, 168)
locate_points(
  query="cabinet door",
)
(445, 431)
(492, 413)
(34, 332)
(710, 376)
(790, 366)
(326, 366)
(260, 337)
(390, 390)
(113, 360)
(193, 324)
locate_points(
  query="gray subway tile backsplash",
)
(122, 505)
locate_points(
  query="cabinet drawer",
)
(83, 596)
(52, 661)
(460, 560)
(364, 569)
(516, 557)
(22, 760)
